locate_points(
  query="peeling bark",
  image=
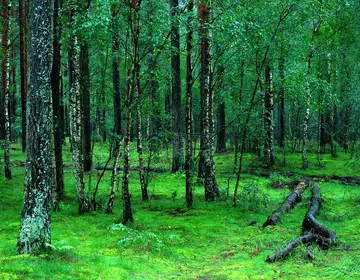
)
(305, 163)
(35, 230)
(206, 153)
(114, 177)
(115, 72)
(77, 128)
(6, 10)
(312, 231)
(269, 151)
(288, 204)
(177, 161)
(189, 113)
(23, 69)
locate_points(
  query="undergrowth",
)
(210, 241)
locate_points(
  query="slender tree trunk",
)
(281, 104)
(54, 194)
(154, 121)
(35, 231)
(269, 151)
(211, 188)
(13, 89)
(176, 87)
(143, 184)
(134, 20)
(85, 94)
(188, 114)
(57, 103)
(240, 104)
(116, 73)
(109, 209)
(100, 100)
(221, 140)
(320, 126)
(221, 117)
(6, 10)
(77, 128)
(346, 126)
(305, 163)
(332, 77)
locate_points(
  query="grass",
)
(210, 241)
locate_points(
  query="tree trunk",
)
(281, 104)
(116, 73)
(305, 163)
(109, 209)
(134, 20)
(211, 188)
(320, 128)
(35, 232)
(143, 184)
(6, 9)
(85, 94)
(221, 141)
(288, 204)
(58, 106)
(100, 100)
(188, 114)
(177, 161)
(77, 128)
(269, 151)
(221, 117)
(154, 121)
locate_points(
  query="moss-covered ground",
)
(210, 241)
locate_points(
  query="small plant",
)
(143, 240)
(278, 181)
(223, 193)
(252, 197)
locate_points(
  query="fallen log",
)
(288, 204)
(310, 224)
(312, 231)
(304, 239)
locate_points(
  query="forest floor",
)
(210, 241)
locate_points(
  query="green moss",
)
(210, 241)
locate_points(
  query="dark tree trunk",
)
(269, 152)
(346, 127)
(143, 181)
(176, 87)
(281, 104)
(221, 140)
(100, 106)
(221, 117)
(85, 93)
(289, 203)
(154, 129)
(23, 69)
(134, 19)
(5, 89)
(312, 231)
(188, 114)
(70, 81)
(207, 154)
(57, 103)
(35, 232)
(116, 73)
(154, 121)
